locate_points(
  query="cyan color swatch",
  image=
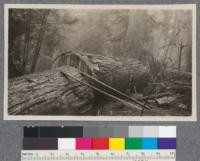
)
(149, 143)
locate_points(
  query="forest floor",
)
(171, 102)
(175, 100)
(117, 109)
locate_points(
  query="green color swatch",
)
(133, 143)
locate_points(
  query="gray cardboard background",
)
(11, 132)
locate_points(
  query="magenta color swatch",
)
(83, 143)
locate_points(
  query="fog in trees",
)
(163, 36)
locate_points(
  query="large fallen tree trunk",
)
(50, 93)
(47, 93)
(122, 74)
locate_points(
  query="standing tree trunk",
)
(180, 48)
(39, 41)
(27, 40)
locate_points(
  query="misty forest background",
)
(37, 37)
(160, 39)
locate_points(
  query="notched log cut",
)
(47, 93)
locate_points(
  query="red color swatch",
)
(100, 143)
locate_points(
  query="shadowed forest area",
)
(136, 58)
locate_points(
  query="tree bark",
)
(50, 93)
(47, 93)
(122, 74)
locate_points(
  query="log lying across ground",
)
(51, 93)
(47, 93)
(174, 75)
(122, 74)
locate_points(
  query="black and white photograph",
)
(100, 62)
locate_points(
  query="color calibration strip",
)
(98, 143)
(108, 138)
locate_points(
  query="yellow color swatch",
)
(116, 143)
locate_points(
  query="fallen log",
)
(183, 83)
(47, 93)
(131, 106)
(119, 77)
(174, 75)
(121, 74)
(116, 91)
(144, 98)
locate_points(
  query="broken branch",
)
(130, 105)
